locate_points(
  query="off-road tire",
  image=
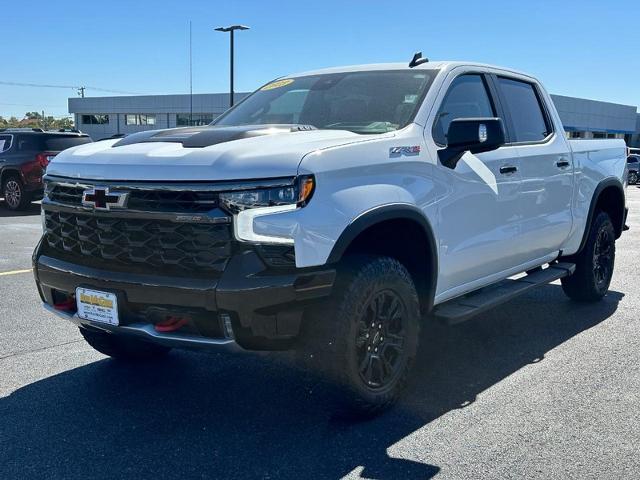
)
(333, 334)
(594, 264)
(15, 196)
(123, 348)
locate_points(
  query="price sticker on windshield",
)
(278, 84)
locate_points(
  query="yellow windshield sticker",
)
(278, 84)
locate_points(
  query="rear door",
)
(546, 167)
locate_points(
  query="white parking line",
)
(14, 272)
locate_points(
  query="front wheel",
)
(633, 178)
(594, 265)
(364, 340)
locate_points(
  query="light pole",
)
(231, 29)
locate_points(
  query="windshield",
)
(362, 102)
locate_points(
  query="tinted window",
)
(362, 102)
(134, 119)
(30, 143)
(527, 116)
(95, 119)
(5, 142)
(467, 98)
(59, 143)
(197, 119)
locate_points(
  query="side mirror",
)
(475, 135)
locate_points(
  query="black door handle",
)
(508, 169)
(562, 163)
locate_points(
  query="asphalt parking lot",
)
(541, 388)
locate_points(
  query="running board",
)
(463, 308)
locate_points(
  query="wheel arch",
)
(401, 231)
(7, 172)
(608, 197)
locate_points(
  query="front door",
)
(478, 215)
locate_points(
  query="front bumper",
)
(264, 305)
(146, 331)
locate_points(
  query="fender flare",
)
(608, 182)
(383, 213)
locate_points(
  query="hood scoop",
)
(201, 137)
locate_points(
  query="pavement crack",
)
(26, 352)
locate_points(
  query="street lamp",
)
(231, 29)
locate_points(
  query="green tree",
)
(36, 120)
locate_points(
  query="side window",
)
(467, 98)
(30, 143)
(5, 142)
(530, 123)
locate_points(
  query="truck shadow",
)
(30, 210)
(220, 416)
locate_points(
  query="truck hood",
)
(197, 154)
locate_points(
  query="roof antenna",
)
(417, 60)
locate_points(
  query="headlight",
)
(298, 193)
(247, 205)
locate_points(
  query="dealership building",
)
(103, 117)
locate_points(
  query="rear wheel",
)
(633, 178)
(364, 340)
(123, 348)
(15, 197)
(594, 265)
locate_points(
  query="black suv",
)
(24, 156)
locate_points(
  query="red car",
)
(24, 156)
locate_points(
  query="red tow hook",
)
(171, 324)
(67, 305)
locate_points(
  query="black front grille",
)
(176, 201)
(169, 201)
(66, 195)
(171, 246)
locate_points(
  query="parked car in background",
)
(24, 156)
(633, 168)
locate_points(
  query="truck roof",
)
(442, 65)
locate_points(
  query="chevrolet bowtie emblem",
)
(101, 199)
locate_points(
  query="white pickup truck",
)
(333, 212)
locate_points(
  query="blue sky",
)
(583, 48)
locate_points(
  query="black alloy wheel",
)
(603, 258)
(360, 344)
(380, 340)
(594, 264)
